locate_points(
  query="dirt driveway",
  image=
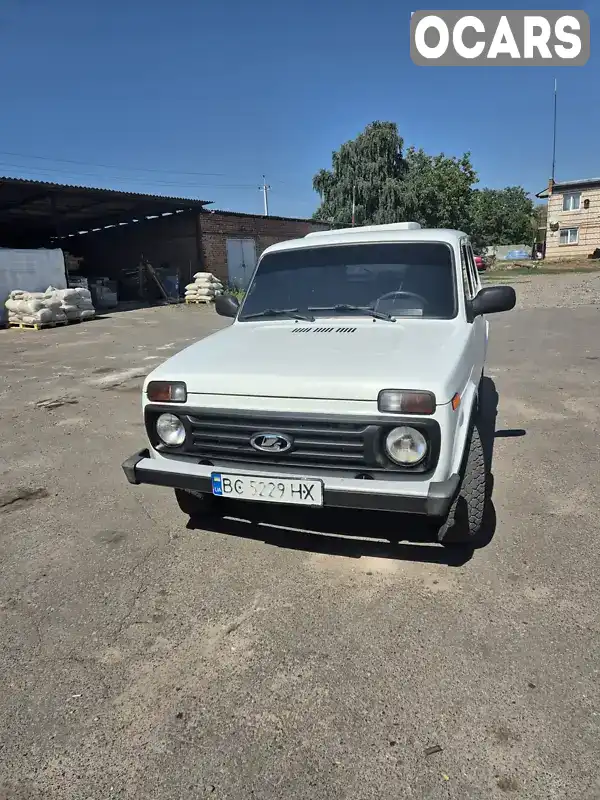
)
(141, 658)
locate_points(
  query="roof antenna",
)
(554, 135)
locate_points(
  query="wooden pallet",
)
(198, 302)
(36, 326)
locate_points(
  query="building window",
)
(571, 201)
(569, 236)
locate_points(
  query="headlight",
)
(170, 430)
(406, 446)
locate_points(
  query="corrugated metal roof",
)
(262, 216)
(33, 210)
(578, 182)
(77, 187)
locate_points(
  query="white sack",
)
(43, 316)
(52, 303)
(62, 293)
(24, 306)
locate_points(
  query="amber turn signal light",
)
(404, 401)
(166, 392)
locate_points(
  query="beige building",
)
(573, 227)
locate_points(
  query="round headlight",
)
(406, 446)
(170, 429)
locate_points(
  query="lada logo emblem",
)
(271, 442)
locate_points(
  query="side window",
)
(474, 271)
(468, 284)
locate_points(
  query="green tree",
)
(390, 187)
(437, 190)
(369, 168)
(500, 217)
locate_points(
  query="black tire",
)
(464, 522)
(194, 505)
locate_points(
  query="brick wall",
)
(218, 226)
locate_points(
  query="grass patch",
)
(234, 291)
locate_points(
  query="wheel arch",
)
(467, 411)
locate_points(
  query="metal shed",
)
(35, 213)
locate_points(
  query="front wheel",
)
(465, 519)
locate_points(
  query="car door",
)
(476, 331)
(480, 324)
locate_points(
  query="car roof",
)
(396, 232)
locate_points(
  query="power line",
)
(113, 166)
(117, 167)
(47, 172)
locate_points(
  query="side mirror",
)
(226, 305)
(492, 299)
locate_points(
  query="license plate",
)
(268, 490)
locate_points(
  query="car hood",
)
(345, 359)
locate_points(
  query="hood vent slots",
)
(324, 330)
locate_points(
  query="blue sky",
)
(196, 98)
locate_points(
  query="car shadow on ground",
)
(357, 534)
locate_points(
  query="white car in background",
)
(349, 378)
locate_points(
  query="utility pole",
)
(353, 205)
(554, 135)
(264, 189)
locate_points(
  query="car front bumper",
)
(141, 468)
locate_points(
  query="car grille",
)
(337, 445)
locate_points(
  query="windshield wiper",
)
(280, 312)
(341, 307)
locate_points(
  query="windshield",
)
(408, 279)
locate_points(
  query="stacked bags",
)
(204, 289)
(34, 308)
(50, 307)
(76, 304)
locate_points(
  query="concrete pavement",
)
(143, 658)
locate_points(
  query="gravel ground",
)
(557, 291)
(143, 658)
